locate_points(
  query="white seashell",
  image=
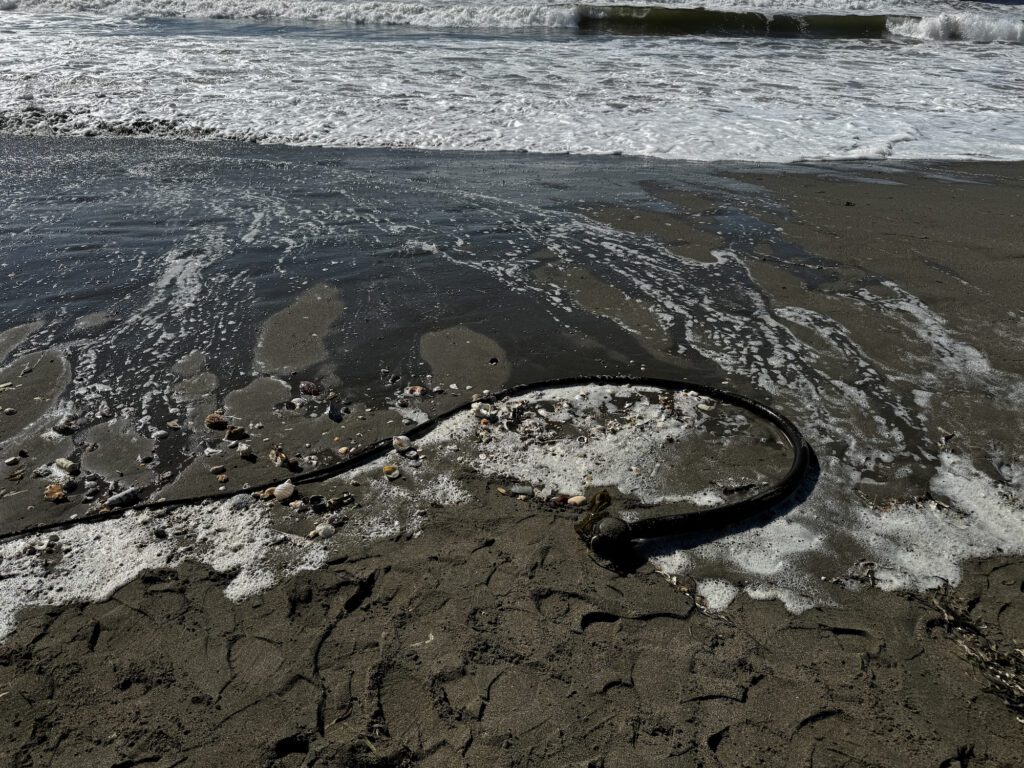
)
(576, 501)
(392, 472)
(284, 491)
(324, 531)
(401, 443)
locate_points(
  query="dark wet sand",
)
(494, 639)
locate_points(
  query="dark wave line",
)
(660, 20)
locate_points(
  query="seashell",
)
(278, 457)
(55, 493)
(343, 451)
(173, 424)
(324, 531)
(246, 452)
(401, 443)
(216, 422)
(576, 501)
(392, 472)
(284, 491)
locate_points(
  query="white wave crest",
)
(975, 27)
(448, 15)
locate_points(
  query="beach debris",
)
(284, 491)
(13, 461)
(55, 492)
(344, 450)
(68, 425)
(245, 452)
(416, 390)
(343, 500)
(236, 433)
(576, 501)
(281, 459)
(216, 422)
(401, 443)
(123, 498)
(67, 465)
(173, 424)
(309, 388)
(521, 490)
(218, 469)
(160, 434)
(323, 531)
(9, 412)
(222, 478)
(392, 472)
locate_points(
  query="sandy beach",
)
(436, 619)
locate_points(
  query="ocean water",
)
(766, 80)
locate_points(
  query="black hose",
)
(605, 533)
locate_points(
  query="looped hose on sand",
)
(605, 533)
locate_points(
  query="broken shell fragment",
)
(392, 472)
(576, 501)
(401, 443)
(216, 422)
(245, 452)
(278, 457)
(324, 531)
(55, 493)
(284, 491)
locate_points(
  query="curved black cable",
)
(605, 533)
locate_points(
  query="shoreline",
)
(446, 623)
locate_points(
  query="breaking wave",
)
(756, 19)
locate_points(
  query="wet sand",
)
(481, 631)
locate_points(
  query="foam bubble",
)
(233, 536)
(716, 594)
